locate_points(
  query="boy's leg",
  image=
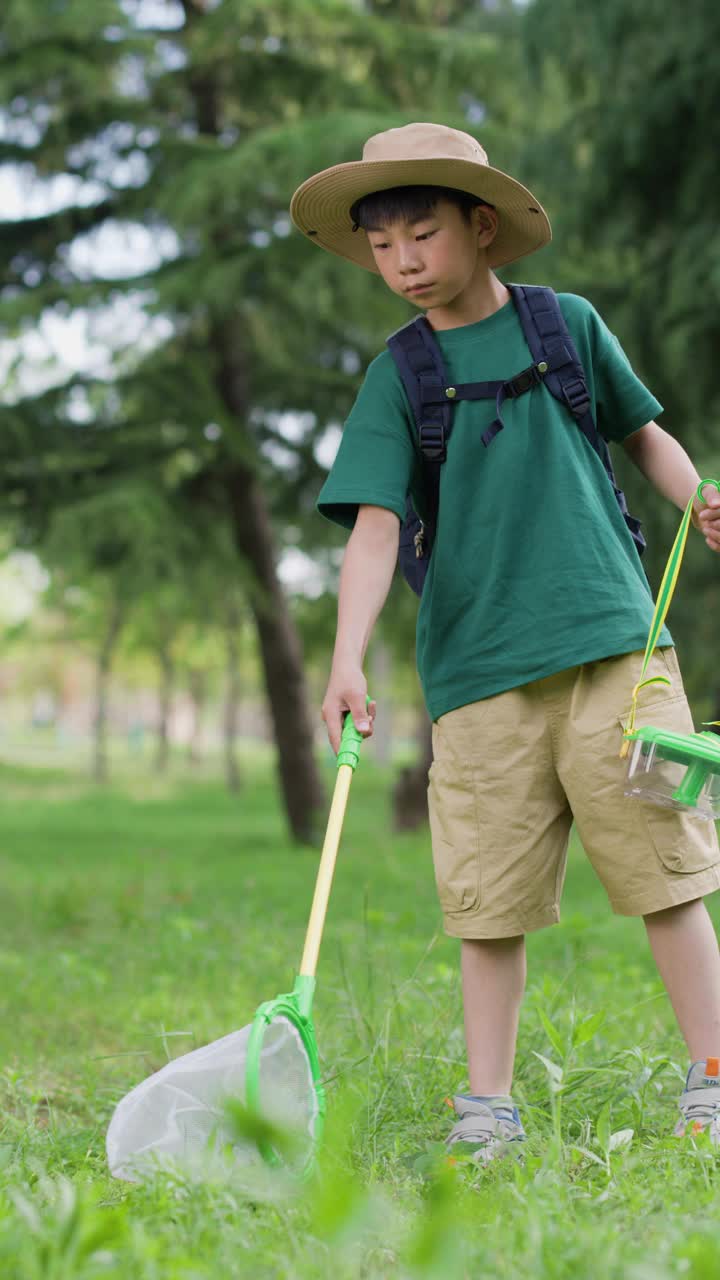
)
(488, 1122)
(654, 861)
(500, 823)
(686, 952)
(493, 975)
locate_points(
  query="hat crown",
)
(424, 142)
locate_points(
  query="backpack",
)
(556, 362)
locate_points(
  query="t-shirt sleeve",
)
(375, 463)
(623, 402)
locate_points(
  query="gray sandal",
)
(486, 1128)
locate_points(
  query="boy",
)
(534, 614)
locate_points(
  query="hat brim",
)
(321, 207)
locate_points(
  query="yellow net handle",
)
(323, 884)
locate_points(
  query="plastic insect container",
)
(678, 770)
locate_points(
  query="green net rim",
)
(296, 1007)
(690, 746)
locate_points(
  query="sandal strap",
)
(484, 1122)
(700, 1104)
(474, 1128)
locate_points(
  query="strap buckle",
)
(576, 395)
(522, 382)
(432, 441)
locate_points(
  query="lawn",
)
(141, 920)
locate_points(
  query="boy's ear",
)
(486, 222)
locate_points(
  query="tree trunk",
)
(197, 686)
(410, 808)
(232, 697)
(281, 656)
(102, 680)
(165, 696)
(278, 639)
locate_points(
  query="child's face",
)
(434, 261)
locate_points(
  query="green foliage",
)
(201, 137)
(151, 960)
(644, 177)
(61, 1233)
(199, 132)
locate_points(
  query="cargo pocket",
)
(684, 843)
(453, 827)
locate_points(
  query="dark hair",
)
(407, 204)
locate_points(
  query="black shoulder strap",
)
(551, 345)
(420, 364)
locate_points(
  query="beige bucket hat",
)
(417, 155)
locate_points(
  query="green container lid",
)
(682, 747)
(698, 753)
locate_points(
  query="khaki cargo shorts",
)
(512, 771)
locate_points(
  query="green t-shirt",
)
(533, 569)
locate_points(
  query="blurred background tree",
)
(185, 127)
(158, 143)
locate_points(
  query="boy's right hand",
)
(347, 691)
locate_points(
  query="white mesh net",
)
(177, 1116)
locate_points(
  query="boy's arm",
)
(668, 468)
(365, 578)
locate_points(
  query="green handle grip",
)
(701, 486)
(350, 743)
(694, 779)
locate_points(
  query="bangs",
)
(407, 204)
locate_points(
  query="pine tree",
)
(198, 128)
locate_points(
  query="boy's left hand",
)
(706, 517)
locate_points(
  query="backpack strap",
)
(419, 360)
(556, 357)
(421, 367)
(554, 352)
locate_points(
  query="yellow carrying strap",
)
(665, 595)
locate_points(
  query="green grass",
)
(139, 921)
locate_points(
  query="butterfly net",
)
(183, 1115)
